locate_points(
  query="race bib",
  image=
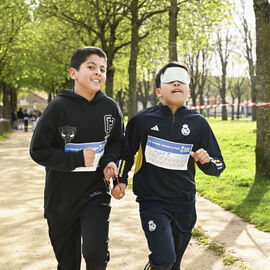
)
(166, 154)
(97, 146)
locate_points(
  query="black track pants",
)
(92, 226)
(168, 234)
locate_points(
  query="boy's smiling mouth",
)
(95, 80)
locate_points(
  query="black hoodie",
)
(69, 123)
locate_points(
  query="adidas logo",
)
(155, 128)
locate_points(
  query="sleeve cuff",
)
(121, 181)
(104, 161)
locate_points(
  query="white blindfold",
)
(172, 74)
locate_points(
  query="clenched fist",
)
(89, 156)
(200, 155)
(110, 170)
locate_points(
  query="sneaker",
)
(147, 267)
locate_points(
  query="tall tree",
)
(144, 89)
(192, 12)
(173, 11)
(141, 11)
(262, 15)
(198, 64)
(197, 21)
(224, 53)
(235, 86)
(248, 53)
(14, 16)
(134, 49)
(100, 23)
(48, 55)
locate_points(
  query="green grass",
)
(218, 249)
(5, 135)
(235, 190)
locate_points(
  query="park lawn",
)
(5, 135)
(235, 190)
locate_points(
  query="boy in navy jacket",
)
(170, 140)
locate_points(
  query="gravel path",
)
(24, 242)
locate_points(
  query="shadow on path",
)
(240, 238)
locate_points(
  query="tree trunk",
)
(7, 101)
(201, 103)
(13, 99)
(120, 98)
(110, 76)
(155, 99)
(249, 49)
(132, 68)
(253, 97)
(193, 98)
(262, 11)
(224, 54)
(238, 107)
(253, 87)
(146, 86)
(173, 11)
(208, 102)
(223, 97)
(50, 96)
(233, 108)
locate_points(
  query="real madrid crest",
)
(151, 225)
(185, 130)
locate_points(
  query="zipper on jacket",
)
(173, 121)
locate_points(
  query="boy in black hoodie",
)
(77, 139)
(171, 141)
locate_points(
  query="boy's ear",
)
(72, 73)
(158, 92)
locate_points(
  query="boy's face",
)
(91, 76)
(173, 94)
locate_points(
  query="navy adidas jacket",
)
(164, 172)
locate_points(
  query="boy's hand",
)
(118, 191)
(110, 170)
(200, 155)
(89, 156)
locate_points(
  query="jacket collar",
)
(167, 110)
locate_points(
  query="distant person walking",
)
(33, 119)
(25, 120)
(14, 120)
(20, 119)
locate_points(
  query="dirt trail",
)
(24, 242)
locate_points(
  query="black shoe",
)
(147, 267)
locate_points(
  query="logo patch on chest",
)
(67, 133)
(109, 122)
(185, 130)
(155, 128)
